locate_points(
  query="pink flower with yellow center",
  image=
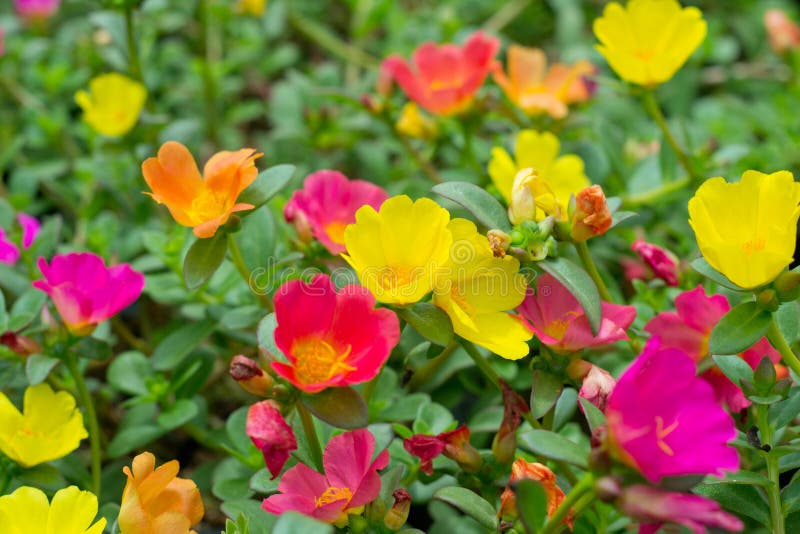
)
(350, 481)
(665, 421)
(331, 338)
(557, 319)
(328, 202)
(444, 78)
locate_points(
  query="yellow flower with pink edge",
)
(747, 230)
(647, 41)
(27, 511)
(113, 103)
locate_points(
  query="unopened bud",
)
(457, 447)
(397, 515)
(768, 300)
(250, 376)
(22, 345)
(787, 286)
(592, 216)
(233, 225)
(607, 488)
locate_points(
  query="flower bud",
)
(499, 241)
(412, 123)
(787, 286)
(783, 34)
(768, 300)
(529, 194)
(592, 216)
(250, 376)
(22, 345)
(398, 514)
(458, 448)
(597, 386)
(663, 263)
(607, 488)
(300, 221)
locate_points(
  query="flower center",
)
(458, 297)
(335, 231)
(333, 494)
(662, 433)
(393, 277)
(754, 245)
(317, 361)
(558, 328)
(207, 206)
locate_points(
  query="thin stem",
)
(429, 369)
(654, 110)
(122, 330)
(779, 342)
(311, 434)
(591, 268)
(330, 42)
(556, 522)
(774, 489)
(91, 415)
(209, 85)
(652, 196)
(134, 64)
(244, 271)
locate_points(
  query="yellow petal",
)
(24, 511)
(72, 511)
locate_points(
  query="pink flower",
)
(653, 506)
(36, 9)
(597, 386)
(331, 338)
(9, 252)
(783, 34)
(665, 421)
(271, 434)
(444, 78)
(662, 262)
(557, 319)
(328, 203)
(85, 291)
(350, 481)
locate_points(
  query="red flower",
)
(270, 432)
(454, 444)
(663, 263)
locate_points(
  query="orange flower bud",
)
(592, 216)
(250, 376)
(534, 471)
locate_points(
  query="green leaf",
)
(565, 408)
(266, 334)
(3, 314)
(38, 366)
(178, 414)
(176, 346)
(580, 284)
(266, 185)
(740, 477)
(203, 259)
(545, 390)
(621, 216)
(295, 523)
(128, 373)
(429, 321)
(93, 348)
(741, 499)
(339, 407)
(790, 495)
(259, 522)
(25, 309)
(486, 209)
(531, 504)
(788, 319)
(470, 503)
(432, 418)
(784, 412)
(701, 266)
(554, 446)
(133, 437)
(739, 329)
(593, 415)
(735, 368)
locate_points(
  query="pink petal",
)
(30, 228)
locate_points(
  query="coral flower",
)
(564, 175)
(9, 252)
(113, 104)
(398, 251)
(522, 470)
(661, 262)
(592, 216)
(49, 427)
(203, 203)
(156, 500)
(476, 290)
(328, 203)
(85, 291)
(444, 78)
(36, 9)
(270, 432)
(350, 481)
(535, 89)
(27, 511)
(747, 230)
(331, 338)
(665, 421)
(647, 41)
(783, 34)
(557, 319)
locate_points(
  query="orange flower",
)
(534, 471)
(155, 501)
(203, 203)
(535, 89)
(592, 216)
(783, 34)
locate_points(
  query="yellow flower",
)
(530, 196)
(26, 511)
(476, 289)
(412, 123)
(647, 41)
(397, 251)
(747, 230)
(49, 427)
(113, 103)
(563, 175)
(252, 7)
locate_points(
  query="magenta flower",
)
(270, 432)
(36, 9)
(331, 338)
(9, 252)
(662, 263)
(328, 203)
(350, 481)
(654, 506)
(558, 320)
(665, 421)
(85, 291)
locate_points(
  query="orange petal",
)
(228, 173)
(209, 228)
(173, 176)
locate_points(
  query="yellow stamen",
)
(335, 231)
(333, 494)
(318, 361)
(662, 433)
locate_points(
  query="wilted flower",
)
(156, 500)
(647, 41)
(504, 445)
(535, 89)
(9, 252)
(747, 230)
(113, 103)
(250, 376)
(661, 262)
(665, 421)
(397, 515)
(203, 203)
(557, 319)
(412, 123)
(328, 202)
(398, 250)
(444, 78)
(350, 481)
(85, 291)
(331, 338)
(522, 470)
(271, 434)
(592, 216)
(453, 444)
(782, 32)
(49, 427)
(36, 9)
(22, 345)
(27, 511)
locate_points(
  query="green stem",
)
(588, 263)
(654, 110)
(134, 64)
(579, 494)
(209, 85)
(369, 389)
(429, 170)
(91, 415)
(241, 266)
(425, 372)
(311, 434)
(773, 490)
(654, 195)
(330, 42)
(779, 342)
